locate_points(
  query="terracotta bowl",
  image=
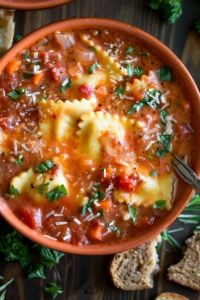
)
(184, 191)
(31, 4)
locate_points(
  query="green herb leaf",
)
(27, 56)
(37, 272)
(193, 205)
(17, 37)
(53, 289)
(58, 192)
(66, 84)
(165, 74)
(163, 116)
(44, 166)
(153, 173)
(134, 71)
(133, 213)
(197, 25)
(165, 140)
(50, 258)
(42, 188)
(2, 287)
(160, 204)
(129, 50)
(171, 9)
(19, 160)
(15, 94)
(113, 227)
(13, 191)
(120, 91)
(93, 68)
(13, 248)
(95, 196)
(166, 236)
(93, 49)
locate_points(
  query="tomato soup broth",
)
(89, 121)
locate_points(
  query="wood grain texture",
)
(87, 278)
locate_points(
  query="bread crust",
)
(7, 28)
(171, 296)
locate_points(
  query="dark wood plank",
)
(87, 278)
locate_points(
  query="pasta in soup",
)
(89, 121)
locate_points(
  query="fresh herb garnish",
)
(190, 214)
(166, 236)
(13, 191)
(93, 49)
(17, 37)
(66, 84)
(42, 188)
(37, 271)
(53, 289)
(197, 25)
(93, 68)
(171, 9)
(129, 50)
(165, 74)
(44, 166)
(163, 116)
(120, 91)
(165, 141)
(19, 160)
(15, 94)
(152, 98)
(95, 196)
(27, 56)
(160, 204)
(57, 193)
(153, 173)
(113, 227)
(133, 213)
(3, 287)
(50, 258)
(134, 71)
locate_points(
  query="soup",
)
(89, 121)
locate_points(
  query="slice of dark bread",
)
(7, 28)
(170, 296)
(134, 269)
(187, 271)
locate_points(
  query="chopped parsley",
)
(44, 166)
(134, 71)
(165, 74)
(66, 84)
(113, 227)
(27, 56)
(95, 196)
(49, 257)
(133, 213)
(53, 289)
(153, 173)
(93, 68)
(165, 141)
(129, 50)
(42, 188)
(160, 204)
(19, 160)
(120, 91)
(37, 271)
(16, 93)
(13, 191)
(58, 192)
(152, 98)
(171, 9)
(163, 116)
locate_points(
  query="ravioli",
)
(58, 119)
(93, 125)
(36, 185)
(150, 190)
(109, 63)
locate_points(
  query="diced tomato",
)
(96, 232)
(31, 216)
(101, 91)
(127, 183)
(86, 90)
(146, 221)
(37, 78)
(75, 70)
(58, 73)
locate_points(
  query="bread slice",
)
(186, 272)
(134, 269)
(7, 28)
(171, 296)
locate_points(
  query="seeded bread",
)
(7, 28)
(170, 296)
(134, 269)
(186, 272)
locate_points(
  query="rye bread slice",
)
(7, 28)
(171, 296)
(134, 269)
(187, 271)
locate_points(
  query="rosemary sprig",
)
(166, 236)
(190, 214)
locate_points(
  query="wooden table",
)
(87, 278)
